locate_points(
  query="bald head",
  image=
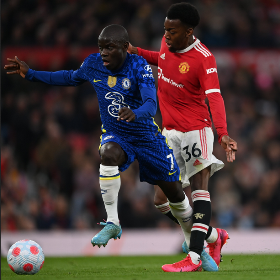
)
(113, 43)
(114, 32)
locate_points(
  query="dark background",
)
(50, 135)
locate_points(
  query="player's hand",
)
(132, 50)
(230, 146)
(16, 66)
(126, 114)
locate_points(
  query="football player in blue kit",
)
(127, 101)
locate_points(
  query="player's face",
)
(176, 34)
(113, 53)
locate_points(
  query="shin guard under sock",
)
(110, 183)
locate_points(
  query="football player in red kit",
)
(187, 74)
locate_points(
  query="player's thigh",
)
(174, 139)
(114, 150)
(199, 181)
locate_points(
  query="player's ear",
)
(126, 45)
(189, 32)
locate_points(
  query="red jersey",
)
(185, 78)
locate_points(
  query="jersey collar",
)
(196, 42)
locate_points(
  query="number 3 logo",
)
(196, 152)
(117, 103)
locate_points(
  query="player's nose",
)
(104, 53)
(167, 35)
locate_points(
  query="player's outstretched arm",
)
(150, 56)
(58, 78)
(230, 147)
(16, 66)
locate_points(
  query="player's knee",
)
(196, 186)
(112, 154)
(200, 180)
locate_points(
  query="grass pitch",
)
(233, 267)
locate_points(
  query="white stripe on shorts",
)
(203, 142)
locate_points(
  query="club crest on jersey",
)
(126, 84)
(112, 81)
(184, 67)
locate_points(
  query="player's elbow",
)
(153, 108)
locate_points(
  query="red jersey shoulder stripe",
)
(202, 50)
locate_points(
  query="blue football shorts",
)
(155, 157)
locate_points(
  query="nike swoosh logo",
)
(172, 173)
(96, 80)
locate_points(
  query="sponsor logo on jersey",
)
(117, 103)
(95, 81)
(211, 70)
(126, 84)
(111, 81)
(184, 67)
(148, 68)
(108, 137)
(163, 56)
(147, 76)
(199, 215)
(168, 80)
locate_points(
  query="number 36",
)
(196, 152)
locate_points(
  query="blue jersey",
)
(130, 86)
(115, 89)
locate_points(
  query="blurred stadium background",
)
(50, 135)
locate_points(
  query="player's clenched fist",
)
(16, 66)
(126, 114)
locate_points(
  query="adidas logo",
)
(163, 56)
(197, 162)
